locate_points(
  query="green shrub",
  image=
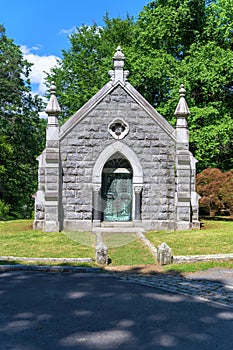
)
(4, 210)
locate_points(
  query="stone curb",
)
(58, 260)
(196, 258)
(179, 259)
(147, 243)
(47, 268)
(208, 291)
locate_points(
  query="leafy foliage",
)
(171, 42)
(171, 25)
(21, 131)
(4, 210)
(216, 190)
(82, 72)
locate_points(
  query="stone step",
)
(118, 230)
(116, 224)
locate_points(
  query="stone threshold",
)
(118, 224)
(118, 230)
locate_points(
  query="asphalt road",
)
(55, 311)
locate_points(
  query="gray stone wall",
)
(155, 149)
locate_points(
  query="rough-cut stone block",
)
(52, 186)
(184, 197)
(183, 225)
(51, 195)
(51, 226)
(164, 254)
(52, 156)
(101, 254)
(52, 179)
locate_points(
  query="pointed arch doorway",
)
(113, 179)
(117, 189)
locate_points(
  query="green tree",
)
(5, 152)
(203, 56)
(219, 19)
(172, 25)
(83, 69)
(207, 73)
(171, 42)
(21, 130)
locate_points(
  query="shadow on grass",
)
(6, 262)
(217, 218)
(18, 262)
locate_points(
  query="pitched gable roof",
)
(118, 78)
(101, 94)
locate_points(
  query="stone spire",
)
(182, 107)
(183, 165)
(53, 108)
(118, 74)
(181, 112)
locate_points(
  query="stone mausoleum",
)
(116, 162)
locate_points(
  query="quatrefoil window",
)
(118, 128)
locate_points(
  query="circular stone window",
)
(118, 128)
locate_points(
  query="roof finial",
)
(53, 107)
(182, 91)
(118, 63)
(53, 88)
(182, 107)
(119, 54)
(182, 111)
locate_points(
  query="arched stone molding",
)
(127, 152)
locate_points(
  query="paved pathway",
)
(95, 311)
(214, 285)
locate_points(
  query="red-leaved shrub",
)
(216, 191)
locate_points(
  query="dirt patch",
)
(142, 269)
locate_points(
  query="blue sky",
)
(41, 27)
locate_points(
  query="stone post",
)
(96, 205)
(101, 255)
(164, 254)
(38, 223)
(137, 192)
(194, 196)
(101, 251)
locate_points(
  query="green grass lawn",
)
(199, 266)
(18, 239)
(133, 253)
(215, 237)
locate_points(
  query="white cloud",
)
(43, 115)
(68, 31)
(41, 66)
(72, 30)
(26, 50)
